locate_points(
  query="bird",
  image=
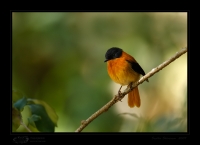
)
(123, 69)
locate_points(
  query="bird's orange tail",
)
(134, 98)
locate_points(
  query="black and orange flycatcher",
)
(124, 70)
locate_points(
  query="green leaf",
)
(32, 119)
(50, 111)
(19, 105)
(16, 119)
(44, 124)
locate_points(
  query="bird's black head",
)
(113, 53)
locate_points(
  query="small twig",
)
(120, 96)
(25, 126)
(22, 123)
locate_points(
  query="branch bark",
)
(118, 97)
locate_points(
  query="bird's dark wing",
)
(136, 67)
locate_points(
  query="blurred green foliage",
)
(58, 57)
(41, 116)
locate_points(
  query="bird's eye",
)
(117, 55)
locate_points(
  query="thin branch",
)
(118, 97)
(22, 123)
(25, 126)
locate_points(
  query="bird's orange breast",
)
(120, 71)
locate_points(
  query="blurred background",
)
(58, 57)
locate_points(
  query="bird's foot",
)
(118, 96)
(119, 92)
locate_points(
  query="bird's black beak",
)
(105, 60)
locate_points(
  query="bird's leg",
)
(130, 85)
(119, 92)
